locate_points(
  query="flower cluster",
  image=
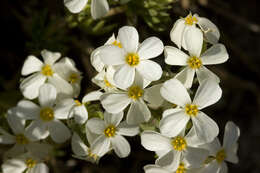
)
(183, 137)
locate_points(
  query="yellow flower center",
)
(194, 62)
(221, 155)
(30, 163)
(181, 168)
(110, 131)
(190, 20)
(77, 102)
(117, 43)
(21, 139)
(47, 114)
(107, 83)
(135, 92)
(132, 59)
(92, 155)
(74, 77)
(46, 70)
(179, 143)
(191, 110)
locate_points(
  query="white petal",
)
(175, 92)
(213, 147)
(50, 57)
(114, 119)
(174, 56)
(203, 74)
(95, 59)
(30, 86)
(171, 160)
(138, 113)
(205, 127)
(194, 40)
(31, 65)
(17, 124)
(129, 38)
(61, 85)
(40, 168)
(96, 125)
(153, 96)
(223, 168)
(211, 31)
(155, 169)
(92, 96)
(186, 76)
(176, 33)
(37, 130)
(58, 131)
(196, 156)
(101, 145)
(47, 95)
(212, 167)
(115, 102)
(127, 130)
(6, 138)
(112, 55)
(150, 48)
(208, 93)
(231, 135)
(120, 146)
(80, 114)
(27, 110)
(170, 111)
(75, 6)
(90, 135)
(14, 166)
(154, 141)
(173, 124)
(124, 76)
(150, 70)
(78, 146)
(63, 108)
(216, 54)
(99, 8)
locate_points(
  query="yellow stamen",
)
(181, 168)
(47, 70)
(47, 114)
(191, 110)
(92, 155)
(107, 83)
(74, 77)
(30, 163)
(21, 139)
(117, 43)
(194, 62)
(135, 92)
(221, 155)
(190, 20)
(179, 143)
(77, 102)
(110, 131)
(132, 59)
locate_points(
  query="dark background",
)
(27, 27)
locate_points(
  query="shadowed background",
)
(29, 26)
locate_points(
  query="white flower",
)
(66, 69)
(194, 62)
(46, 116)
(78, 109)
(25, 163)
(182, 25)
(21, 139)
(104, 79)
(41, 73)
(175, 120)
(227, 152)
(111, 133)
(174, 150)
(153, 96)
(117, 101)
(95, 59)
(133, 57)
(99, 8)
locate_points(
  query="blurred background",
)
(29, 26)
